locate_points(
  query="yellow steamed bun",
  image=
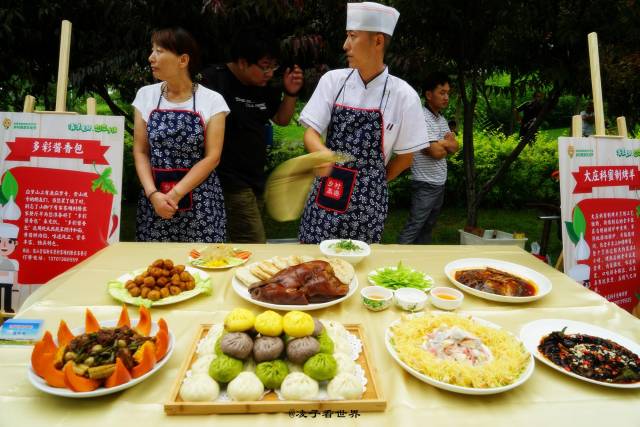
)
(298, 324)
(239, 320)
(269, 323)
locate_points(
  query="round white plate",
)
(533, 332)
(241, 261)
(116, 289)
(243, 292)
(541, 281)
(451, 387)
(372, 273)
(40, 384)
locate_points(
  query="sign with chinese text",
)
(61, 177)
(600, 190)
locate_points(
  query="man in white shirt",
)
(429, 168)
(369, 115)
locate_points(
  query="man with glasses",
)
(244, 84)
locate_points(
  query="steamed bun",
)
(301, 349)
(237, 345)
(298, 386)
(345, 386)
(345, 364)
(199, 388)
(246, 386)
(267, 348)
(202, 363)
(321, 367)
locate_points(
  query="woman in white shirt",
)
(178, 137)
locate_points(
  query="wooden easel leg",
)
(559, 265)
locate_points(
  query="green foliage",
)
(528, 179)
(287, 144)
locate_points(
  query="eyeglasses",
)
(267, 69)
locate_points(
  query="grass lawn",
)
(446, 232)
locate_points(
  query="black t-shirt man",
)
(244, 154)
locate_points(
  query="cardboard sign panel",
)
(600, 190)
(60, 195)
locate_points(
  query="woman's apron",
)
(176, 140)
(352, 202)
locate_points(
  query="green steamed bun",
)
(326, 343)
(321, 367)
(224, 368)
(272, 373)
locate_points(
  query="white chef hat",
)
(369, 16)
(8, 231)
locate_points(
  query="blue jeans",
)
(426, 203)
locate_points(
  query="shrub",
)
(527, 180)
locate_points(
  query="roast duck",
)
(306, 283)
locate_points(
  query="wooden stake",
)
(29, 104)
(622, 127)
(63, 66)
(596, 84)
(576, 126)
(91, 106)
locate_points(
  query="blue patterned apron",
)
(176, 143)
(352, 202)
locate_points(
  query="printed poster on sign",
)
(61, 179)
(600, 191)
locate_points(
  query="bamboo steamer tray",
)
(371, 401)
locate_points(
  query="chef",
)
(368, 115)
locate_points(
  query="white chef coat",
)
(405, 130)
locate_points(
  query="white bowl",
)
(446, 303)
(376, 298)
(353, 257)
(410, 299)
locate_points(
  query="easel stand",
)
(598, 106)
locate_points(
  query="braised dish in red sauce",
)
(496, 282)
(591, 357)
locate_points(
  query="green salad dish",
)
(400, 276)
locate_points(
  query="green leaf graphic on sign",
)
(104, 182)
(9, 186)
(638, 211)
(572, 234)
(579, 223)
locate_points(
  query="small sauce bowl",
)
(446, 298)
(410, 299)
(376, 298)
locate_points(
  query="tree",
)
(473, 40)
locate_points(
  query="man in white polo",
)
(429, 168)
(369, 115)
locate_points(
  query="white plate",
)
(451, 387)
(372, 273)
(533, 332)
(222, 267)
(117, 291)
(541, 281)
(243, 292)
(40, 383)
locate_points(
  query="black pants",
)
(8, 288)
